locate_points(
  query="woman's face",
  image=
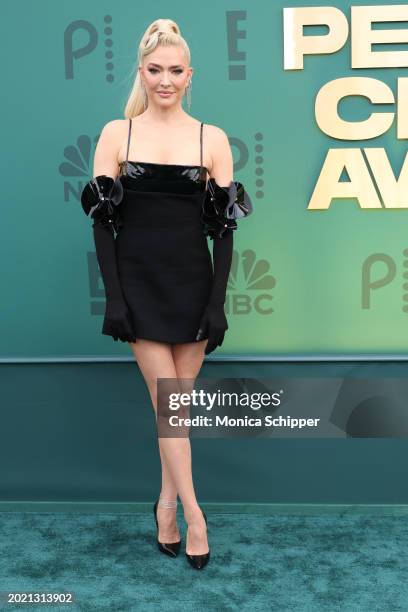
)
(165, 70)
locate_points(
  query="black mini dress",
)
(163, 260)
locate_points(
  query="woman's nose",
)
(165, 80)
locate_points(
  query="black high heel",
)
(199, 561)
(171, 549)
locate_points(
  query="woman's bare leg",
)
(188, 359)
(155, 360)
(158, 360)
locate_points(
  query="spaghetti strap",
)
(201, 148)
(130, 129)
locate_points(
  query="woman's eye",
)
(154, 70)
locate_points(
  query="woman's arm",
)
(107, 149)
(222, 163)
(222, 170)
(117, 321)
(105, 164)
(214, 319)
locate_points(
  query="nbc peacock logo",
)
(77, 165)
(249, 285)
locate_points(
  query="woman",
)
(153, 207)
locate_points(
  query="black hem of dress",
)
(138, 337)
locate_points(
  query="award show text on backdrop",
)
(319, 95)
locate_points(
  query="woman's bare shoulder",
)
(115, 127)
(216, 138)
(214, 131)
(114, 133)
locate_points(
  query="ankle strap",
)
(168, 503)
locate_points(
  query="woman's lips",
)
(165, 94)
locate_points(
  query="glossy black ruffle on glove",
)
(100, 199)
(222, 206)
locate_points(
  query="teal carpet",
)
(259, 562)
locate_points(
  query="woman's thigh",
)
(188, 358)
(155, 360)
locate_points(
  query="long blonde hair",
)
(160, 32)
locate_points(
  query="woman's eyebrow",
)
(158, 65)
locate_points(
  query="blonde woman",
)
(163, 183)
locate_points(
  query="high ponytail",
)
(160, 32)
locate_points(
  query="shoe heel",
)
(199, 561)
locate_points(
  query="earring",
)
(144, 95)
(188, 93)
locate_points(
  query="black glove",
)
(221, 207)
(117, 322)
(214, 320)
(101, 197)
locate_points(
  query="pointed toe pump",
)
(199, 561)
(172, 549)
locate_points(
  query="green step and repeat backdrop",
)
(314, 101)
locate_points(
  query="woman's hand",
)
(213, 322)
(117, 322)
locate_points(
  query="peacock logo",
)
(78, 158)
(77, 165)
(249, 285)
